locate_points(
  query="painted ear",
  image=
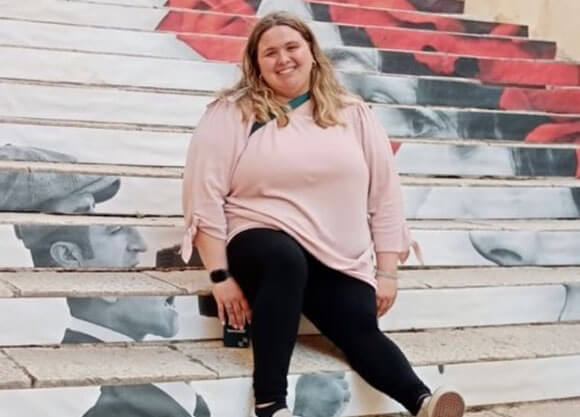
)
(66, 254)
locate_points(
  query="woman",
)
(280, 214)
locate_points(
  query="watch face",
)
(219, 275)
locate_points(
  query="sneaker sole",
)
(446, 404)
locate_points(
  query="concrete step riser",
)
(421, 202)
(445, 6)
(409, 19)
(431, 6)
(181, 20)
(329, 34)
(478, 382)
(44, 321)
(190, 77)
(443, 243)
(136, 147)
(196, 47)
(470, 359)
(74, 402)
(164, 110)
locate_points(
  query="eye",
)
(113, 229)
(421, 125)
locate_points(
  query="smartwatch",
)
(219, 275)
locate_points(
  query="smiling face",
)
(285, 62)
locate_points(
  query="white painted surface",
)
(481, 383)
(86, 14)
(414, 309)
(98, 105)
(167, 149)
(76, 38)
(102, 69)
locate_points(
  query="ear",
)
(66, 254)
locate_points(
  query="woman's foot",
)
(443, 403)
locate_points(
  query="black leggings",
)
(281, 280)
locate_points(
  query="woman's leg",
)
(344, 309)
(272, 271)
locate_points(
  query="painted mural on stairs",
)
(387, 55)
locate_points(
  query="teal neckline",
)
(297, 101)
(294, 103)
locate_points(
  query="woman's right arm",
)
(227, 293)
(210, 160)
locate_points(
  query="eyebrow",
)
(276, 47)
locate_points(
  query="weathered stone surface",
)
(493, 343)
(85, 284)
(12, 377)
(496, 276)
(77, 365)
(312, 353)
(564, 408)
(191, 282)
(5, 289)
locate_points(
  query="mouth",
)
(506, 257)
(285, 71)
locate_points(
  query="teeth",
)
(285, 71)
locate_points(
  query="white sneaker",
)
(443, 402)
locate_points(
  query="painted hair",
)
(255, 97)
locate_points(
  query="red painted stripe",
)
(434, 6)
(387, 38)
(394, 18)
(552, 101)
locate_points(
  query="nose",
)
(283, 58)
(506, 248)
(136, 243)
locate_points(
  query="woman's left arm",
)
(389, 229)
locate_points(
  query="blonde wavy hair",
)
(255, 97)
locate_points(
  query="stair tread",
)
(113, 364)
(177, 221)
(37, 283)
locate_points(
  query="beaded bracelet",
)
(386, 274)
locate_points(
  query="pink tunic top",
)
(334, 190)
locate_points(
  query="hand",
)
(231, 301)
(321, 394)
(386, 294)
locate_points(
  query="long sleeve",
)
(211, 158)
(385, 199)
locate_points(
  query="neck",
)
(285, 98)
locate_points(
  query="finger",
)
(388, 305)
(221, 313)
(229, 313)
(247, 310)
(379, 306)
(239, 315)
(385, 302)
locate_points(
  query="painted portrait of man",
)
(97, 319)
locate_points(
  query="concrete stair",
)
(485, 125)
